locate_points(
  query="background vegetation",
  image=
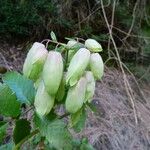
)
(25, 20)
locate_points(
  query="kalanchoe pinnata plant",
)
(56, 84)
(34, 61)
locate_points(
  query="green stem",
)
(17, 147)
(66, 59)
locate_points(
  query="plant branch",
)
(48, 41)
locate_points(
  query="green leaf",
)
(22, 86)
(8, 146)
(86, 146)
(58, 135)
(21, 130)
(92, 107)
(76, 142)
(53, 36)
(9, 106)
(1, 85)
(3, 127)
(78, 120)
(56, 132)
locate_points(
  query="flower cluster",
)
(55, 83)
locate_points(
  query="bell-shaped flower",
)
(93, 45)
(96, 65)
(52, 72)
(34, 61)
(90, 89)
(77, 66)
(75, 96)
(43, 101)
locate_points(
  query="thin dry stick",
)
(131, 35)
(136, 81)
(112, 23)
(93, 12)
(127, 85)
(133, 20)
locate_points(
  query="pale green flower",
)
(93, 45)
(76, 96)
(52, 72)
(97, 65)
(34, 61)
(43, 101)
(77, 66)
(90, 89)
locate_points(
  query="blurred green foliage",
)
(24, 17)
(30, 20)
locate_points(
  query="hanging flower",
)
(90, 86)
(43, 101)
(76, 96)
(77, 66)
(52, 72)
(34, 61)
(97, 65)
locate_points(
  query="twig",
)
(48, 41)
(133, 20)
(27, 110)
(127, 85)
(112, 23)
(92, 13)
(131, 35)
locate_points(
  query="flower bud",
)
(77, 66)
(76, 96)
(43, 101)
(71, 44)
(52, 72)
(93, 45)
(34, 61)
(90, 86)
(96, 65)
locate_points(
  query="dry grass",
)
(113, 126)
